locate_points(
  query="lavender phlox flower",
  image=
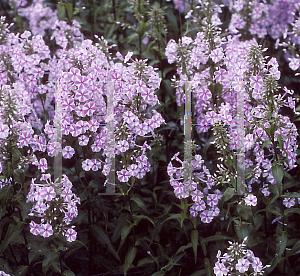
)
(57, 194)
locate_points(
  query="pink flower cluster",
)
(238, 260)
(83, 71)
(239, 68)
(55, 205)
(205, 202)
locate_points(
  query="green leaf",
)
(145, 261)
(173, 21)
(294, 194)
(280, 140)
(173, 216)
(49, 259)
(132, 37)
(183, 248)
(203, 245)
(124, 233)
(291, 211)
(131, 253)
(282, 242)
(245, 212)
(139, 202)
(207, 267)
(22, 270)
(68, 273)
(61, 11)
(207, 145)
(278, 173)
(138, 218)
(102, 238)
(5, 193)
(215, 238)
(96, 13)
(69, 8)
(141, 28)
(19, 176)
(120, 223)
(228, 194)
(266, 143)
(294, 249)
(159, 273)
(12, 236)
(16, 155)
(194, 238)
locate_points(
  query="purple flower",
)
(83, 140)
(34, 228)
(216, 55)
(68, 152)
(242, 265)
(123, 175)
(294, 64)
(123, 146)
(43, 165)
(4, 131)
(39, 194)
(212, 200)
(257, 265)
(220, 269)
(206, 216)
(49, 193)
(289, 202)
(87, 164)
(251, 200)
(71, 235)
(197, 196)
(46, 230)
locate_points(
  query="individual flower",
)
(220, 269)
(242, 265)
(46, 230)
(251, 200)
(4, 131)
(68, 152)
(289, 202)
(216, 55)
(39, 194)
(294, 64)
(71, 235)
(87, 164)
(212, 200)
(123, 175)
(49, 193)
(43, 165)
(34, 228)
(257, 265)
(122, 146)
(95, 165)
(83, 140)
(206, 216)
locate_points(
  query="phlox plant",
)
(220, 69)
(234, 181)
(82, 73)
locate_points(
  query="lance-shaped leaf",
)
(131, 253)
(102, 238)
(278, 173)
(194, 237)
